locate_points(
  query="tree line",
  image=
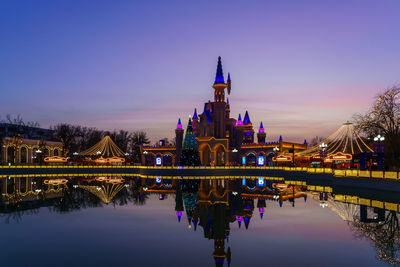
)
(76, 138)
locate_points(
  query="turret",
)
(219, 84)
(179, 139)
(261, 135)
(239, 121)
(219, 252)
(195, 122)
(248, 129)
(178, 201)
(261, 205)
(239, 128)
(227, 109)
(229, 83)
(219, 116)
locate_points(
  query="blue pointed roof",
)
(280, 138)
(179, 125)
(261, 130)
(246, 118)
(227, 100)
(195, 114)
(305, 141)
(229, 77)
(219, 76)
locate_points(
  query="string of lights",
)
(106, 147)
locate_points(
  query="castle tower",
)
(227, 109)
(219, 102)
(178, 140)
(239, 129)
(261, 135)
(248, 129)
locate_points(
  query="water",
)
(134, 222)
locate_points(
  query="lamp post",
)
(323, 150)
(276, 151)
(235, 151)
(379, 149)
(39, 154)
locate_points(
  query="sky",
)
(301, 67)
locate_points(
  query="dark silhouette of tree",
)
(384, 235)
(67, 134)
(384, 118)
(138, 138)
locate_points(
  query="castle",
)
(222, 140)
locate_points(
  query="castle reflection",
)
(211, 205)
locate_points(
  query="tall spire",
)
(219, 77)
(246, 119)
(195, 114)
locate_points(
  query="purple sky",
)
(301, 67)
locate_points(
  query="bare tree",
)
(384, 235)
(316, 140)
(384, 118)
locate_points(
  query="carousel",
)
(340, 150)
(105, 152)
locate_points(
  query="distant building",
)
(27, 132)
(222, 140)
(23, 144)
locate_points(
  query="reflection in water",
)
(211, 205)
(383, 231)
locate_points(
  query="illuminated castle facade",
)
(222, 140)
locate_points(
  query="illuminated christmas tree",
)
(190, 153)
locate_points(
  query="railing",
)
(351, 173)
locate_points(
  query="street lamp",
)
(276, 150)
(379, 149)
(323, 150)
(145, 152)
(379, 138)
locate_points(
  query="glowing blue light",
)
(261, 181)
(261, 160)
(244, 181)
(244, 160)
(158, 180)
(158, 161)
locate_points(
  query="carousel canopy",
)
(345, 140)
(105, 148)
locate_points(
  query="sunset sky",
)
(301, 67)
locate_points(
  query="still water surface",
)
(121, 221)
